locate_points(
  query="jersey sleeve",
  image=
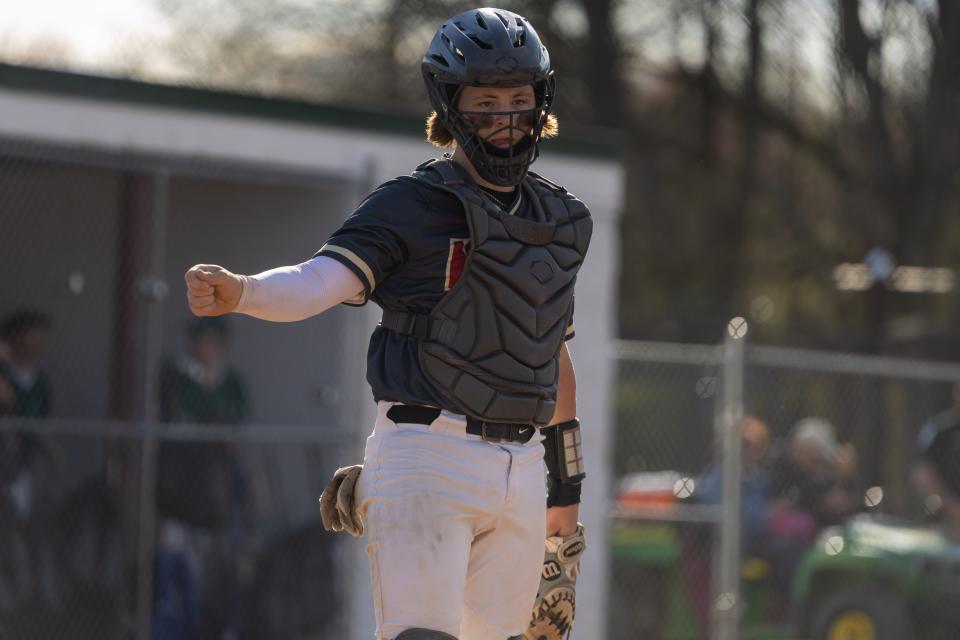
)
(570, 332)
(373, 241)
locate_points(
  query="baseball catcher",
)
(473, 259)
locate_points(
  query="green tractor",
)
(876, 579)
(873, 578)
(879, 579)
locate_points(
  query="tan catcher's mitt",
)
(555, 606)
(338, 505)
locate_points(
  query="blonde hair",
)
(439, 136)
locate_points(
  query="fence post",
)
(153, 287)
(729, 414)
(360, 614)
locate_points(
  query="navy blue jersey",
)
(407, 242)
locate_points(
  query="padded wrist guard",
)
(563, 456)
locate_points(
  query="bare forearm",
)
(562, 520)
(566, 408)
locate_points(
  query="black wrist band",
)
(562, 495)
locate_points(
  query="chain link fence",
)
(101, 535)
(232, 540)
(821, 517)
(159, 473)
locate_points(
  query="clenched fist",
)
(212, 290)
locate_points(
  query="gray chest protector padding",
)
(494, 338)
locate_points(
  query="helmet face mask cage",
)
(499, 166)
(521, 120)
(497, 49)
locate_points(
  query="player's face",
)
(500, 116)
(209, 348)
(28, 342)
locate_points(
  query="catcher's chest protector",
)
(494, 338)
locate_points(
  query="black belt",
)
(489, 431)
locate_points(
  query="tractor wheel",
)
(860, 613)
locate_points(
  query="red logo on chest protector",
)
(456, 258)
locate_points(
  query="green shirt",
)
(185, 398)
(30, 401)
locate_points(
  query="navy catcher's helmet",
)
(490, 48)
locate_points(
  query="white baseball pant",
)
(455, 528)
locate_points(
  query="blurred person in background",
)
(25, 392)
(755, 437)
(936, 478)
(813, 480)
(813, 484)
(199, 492)
(200, 386)
(754, 503)
(937, 471)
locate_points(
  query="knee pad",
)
(423, 634)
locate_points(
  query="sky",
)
(89, 27)
(97, 31)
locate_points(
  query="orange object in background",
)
(648, 490)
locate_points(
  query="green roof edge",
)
(598, 143)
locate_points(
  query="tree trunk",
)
(603, 71)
